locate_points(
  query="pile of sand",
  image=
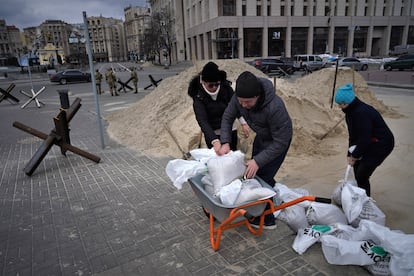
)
(144, 125)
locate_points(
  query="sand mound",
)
(144, 125)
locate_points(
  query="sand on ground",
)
(163, 125)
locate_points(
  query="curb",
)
(391, 85)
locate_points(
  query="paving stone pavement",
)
(123, 216)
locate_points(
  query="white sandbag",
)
(179, 170)
(336, 195)
(343, 252)
(202, 154)
(285, 194)
(353, 199)
(252, 190)
(208, 185)
(325, 214)
(224, 169)
(306, 237)
(370, 211)
(294, 216)
(229, 193)
(344, 231)
(398, 244)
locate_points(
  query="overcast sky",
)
(32, 13)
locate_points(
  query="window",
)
(259, 10)
(229, 7)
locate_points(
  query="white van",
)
(308, 62)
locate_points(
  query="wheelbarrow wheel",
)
(207, 213)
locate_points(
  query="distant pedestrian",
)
(110, 78)
(98, 80)
(134, 78)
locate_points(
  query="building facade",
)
(137, 20)
(107, 37)
(255, 28)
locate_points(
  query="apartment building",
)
(108, 41)
(137, 20)
(253, 28)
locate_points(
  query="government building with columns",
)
(215, 29)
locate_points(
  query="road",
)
(86, 118)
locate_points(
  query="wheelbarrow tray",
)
(219, 210)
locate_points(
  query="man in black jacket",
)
(370, 139)
(265, 112)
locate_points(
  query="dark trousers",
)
(268, 171)
(362, 173)
(364, 168)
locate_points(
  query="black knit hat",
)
(210, 72)
(247, 85)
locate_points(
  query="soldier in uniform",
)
(134, 78)
(98, 79)
(110, 78)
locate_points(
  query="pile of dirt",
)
(144, 125)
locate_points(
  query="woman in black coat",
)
(370, 139)
(211, 93)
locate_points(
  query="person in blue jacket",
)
(211, 92)
(370, 139)
(266, 114)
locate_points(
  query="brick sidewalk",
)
(122, 216)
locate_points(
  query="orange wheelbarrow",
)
(233, 216)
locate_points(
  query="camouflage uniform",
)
(134, 78)
(98, 79)
(110, 78)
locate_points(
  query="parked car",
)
(401, 63)
(267, 65)
(308, 62)
(70, 75)
(402, 49)
(353, 63)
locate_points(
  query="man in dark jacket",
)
(370, 139)
(255, 99)
(211, 92)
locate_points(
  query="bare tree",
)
(158, 39)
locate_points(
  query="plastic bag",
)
(344, 252)
(398, 244)
(251, 190)
(370, 211)
(203, 154)
(224, 169)
(294, 216)
(285, 194)
(306, 237)
(336, 195)
(179, 170)
(353, 199)
(229, 193)
(325, 214)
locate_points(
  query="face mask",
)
(214, 93)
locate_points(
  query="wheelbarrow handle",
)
(323, 200)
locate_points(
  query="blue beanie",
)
(345, 94)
